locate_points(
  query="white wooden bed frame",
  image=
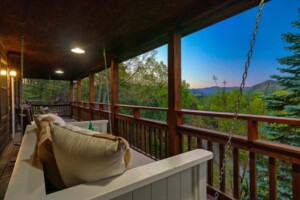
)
(177, 178)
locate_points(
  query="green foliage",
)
(47, 91)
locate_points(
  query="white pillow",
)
(83, 158)
(57, 119)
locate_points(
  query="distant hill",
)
(266, 87)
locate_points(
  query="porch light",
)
(59, 71)
(13, 73)
(3, 72)
(77, 50)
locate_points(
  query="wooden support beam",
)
(115, 95)
(78, 90)
(91, 94)
(174, 92)
(71, 98)
(79, 98)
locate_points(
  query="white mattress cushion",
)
(84, 158)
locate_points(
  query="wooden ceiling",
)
(126, 28)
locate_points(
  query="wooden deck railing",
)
(150, 136)
(63, 110)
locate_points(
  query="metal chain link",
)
(238, 102)
(107, 90)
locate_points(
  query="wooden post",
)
(115, 95)
(79, 98)
(71, 98)
(174, 92)
(92, 94)
(252, 136)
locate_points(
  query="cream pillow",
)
(83, 158)
(51, 118)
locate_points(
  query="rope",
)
(241, 88)
(107, 91)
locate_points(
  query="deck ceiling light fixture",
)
(78, 50)
(13, 73)
(59, 71)
(3, 72)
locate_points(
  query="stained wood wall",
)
(4, 100)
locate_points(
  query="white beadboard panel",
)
(159, 190)
(143, 193)
(127, 196)
(173, 187)
(186, 185)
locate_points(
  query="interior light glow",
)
(12, 73)
(59, 72)
(3, 72)
(77, 50)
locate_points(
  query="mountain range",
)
(266, 87)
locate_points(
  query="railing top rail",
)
(141, 107)
(261, 118)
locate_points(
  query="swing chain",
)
(241, 88)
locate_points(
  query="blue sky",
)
(221, 49)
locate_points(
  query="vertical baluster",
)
(253, 173)
(272, 179)
(161, 141)
(151, 141)
(142, 133)
(189, 142)
(146, 139)
(210, 169)
(156, 142)
(199, 143)
(236, 173)
(296, 181)
(221, 158)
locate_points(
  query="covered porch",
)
(125, 30)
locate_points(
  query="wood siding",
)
(4, 99)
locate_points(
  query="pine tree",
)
(285, 103)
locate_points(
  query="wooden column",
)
(174, 93)
(71, 98)
(115, 95)
(92, 94)
(79, 99)
(252, 136)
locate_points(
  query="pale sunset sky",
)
(221, 49)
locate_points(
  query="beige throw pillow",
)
(83, 158)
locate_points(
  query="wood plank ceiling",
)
(126, 28)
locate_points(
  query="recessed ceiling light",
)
(59, 72)
(77, 50)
